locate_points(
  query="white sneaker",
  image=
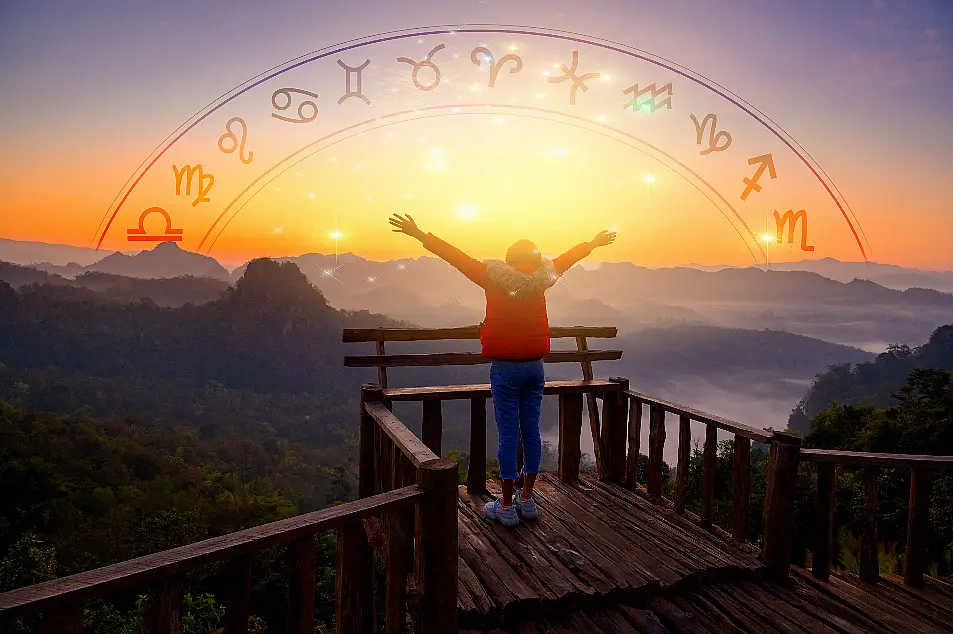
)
(505, 516)
(525, 509)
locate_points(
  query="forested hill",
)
(873, 383)
(270, 331)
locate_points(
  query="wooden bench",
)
(431, 396)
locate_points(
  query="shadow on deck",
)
(602, 558)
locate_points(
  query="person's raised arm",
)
(565, 261)
(472, 268)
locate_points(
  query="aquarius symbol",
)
(577, 82)
(648, 104)
(236, 144)
(767, 162)
(482, 55)
(139, 234)
(790, 218)
(357, 71)
(287, 94)
(425, 64)
(712, 137)
(189, 172)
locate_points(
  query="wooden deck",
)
(843, 604)
(602, 558)
(594, 544)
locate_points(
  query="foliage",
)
(874, 383)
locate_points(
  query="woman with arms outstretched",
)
(515, 336)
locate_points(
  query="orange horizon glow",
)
(483, 179)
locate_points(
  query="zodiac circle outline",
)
(494, 64)
(712, 137)
(139, 234)
(751, 184)
(287, 93)
(427, 63)
(190, 171)
(650, 102)
(577, 82)
(236, 145)
(791, 218)
(359, 71)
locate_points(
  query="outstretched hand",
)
(406, 225)
(602, 239)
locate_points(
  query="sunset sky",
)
(865, 86)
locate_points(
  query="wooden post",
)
(432, 428)
(164, 612)
(779, 505)
(684, 456)
(824, 527)
(66, 620)
(582, 345)
(869, 559)
(301, 586)
(476, 470)
(570, 430)
(381, 369)
(239, 596)
(740, 487)
(708, 474)
(656, 445)
(614, 432)
(436, 546)
(921, 486)
(354, 594)
(385, 470)
(370, 393)
(635, 439)
(399, 551)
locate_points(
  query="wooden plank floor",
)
(841, 605)
(595, 544)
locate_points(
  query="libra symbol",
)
(139, 234)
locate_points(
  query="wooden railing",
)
(921, 485)
(402, 485)
(779, 499)
(61, 600)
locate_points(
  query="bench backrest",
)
(381, 360)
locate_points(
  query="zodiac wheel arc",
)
(239, 137)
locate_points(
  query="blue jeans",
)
(517, 389)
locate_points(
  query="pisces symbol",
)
(713, 139)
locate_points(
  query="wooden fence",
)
(921, 486)
(407, 511)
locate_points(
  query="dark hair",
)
(525, 253)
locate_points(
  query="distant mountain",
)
(164, 292)
(19, 252)
(271, 331)
(874, 382)
(889, 275)
(166, 260)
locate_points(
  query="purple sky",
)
(865, 85)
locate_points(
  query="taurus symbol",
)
(236, 144)
(139, 234)
(425, 63)
(481, 55)
(713, 138)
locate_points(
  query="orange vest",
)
(514, 328)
